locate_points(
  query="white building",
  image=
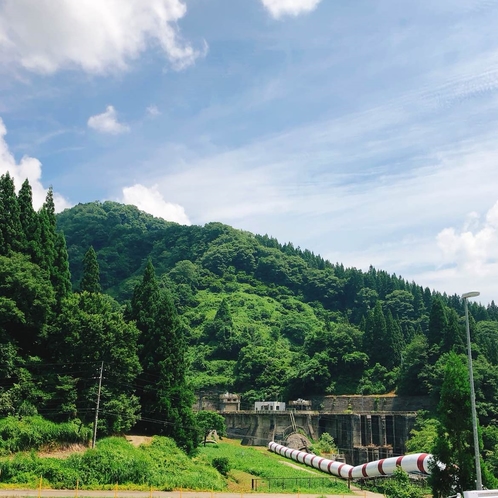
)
(263, 406)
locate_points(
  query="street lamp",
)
(472, 392)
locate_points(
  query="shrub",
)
(114, 460)
(222, 465)
(399, 486)
(35, 433)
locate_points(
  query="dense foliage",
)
(160, 465)
(62, 352)
(268, 320)
(174, 309)
(114, 461)
(35, 433)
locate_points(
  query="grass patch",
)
(159, 465)
(273, 470)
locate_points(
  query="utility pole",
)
(97, 409)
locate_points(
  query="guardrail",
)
(300, 483)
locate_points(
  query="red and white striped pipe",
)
(416, 463)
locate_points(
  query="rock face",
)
(298, 442)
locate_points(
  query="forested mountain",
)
(167, 310)
(270, 320)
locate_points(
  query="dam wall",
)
(364, 428)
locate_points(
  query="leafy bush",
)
(36, 432)
(400, 486)
(325, 444)
(222, 465)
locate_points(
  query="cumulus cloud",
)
(107, 122)
(151, 201)
(97, 36)
(280, 8)
(475, 247)
(28, 167)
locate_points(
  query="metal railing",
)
(300, 483)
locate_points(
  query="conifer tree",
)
(394, 342)
(454, 442)
(438, 323)
(30, 223)
(163, 357)
(375, 336)
(12, 238)
(47, 232)
(55, 259)
(91, 272)
(3, 247)
(61, 279)
(221, 332)
(454, 334)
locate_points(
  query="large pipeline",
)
(416, 463)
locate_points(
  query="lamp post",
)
(472, 392)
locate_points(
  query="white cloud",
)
(473, 248)
(28, 168)
(107, 122)
(153, 111)
(151, 201)
(280, 8)
(97, 36)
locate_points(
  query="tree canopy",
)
(171, 308)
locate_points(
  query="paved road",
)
(61, 493)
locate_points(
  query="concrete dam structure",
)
(364, 428)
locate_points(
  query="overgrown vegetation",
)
(325, 444)
(167, 309)
(399, 486)
(35, 433)
(162, 466)
(114, 461)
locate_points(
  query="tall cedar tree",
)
(12, 236)
(375, 337)
(454, 335)
(394, 342)
(61, 279)
(221, 332)
(54, 247)
(165, 397)
(454, 442)
(30, 222)
(438, 324)
(47, 232)
(91, 272)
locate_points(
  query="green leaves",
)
(165, 395)
(208, 421)
(91, 272)
(12, 238)
(453, 445)
(26, 301)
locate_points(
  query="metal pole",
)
(473, 402)
(97, 409)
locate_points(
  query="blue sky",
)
(365, 131)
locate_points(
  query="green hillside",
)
(104, 302)
(270, 320)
